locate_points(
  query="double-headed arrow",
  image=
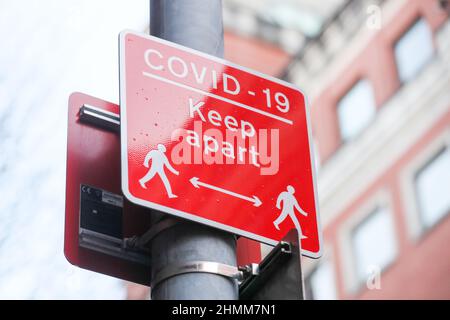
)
(197, 183)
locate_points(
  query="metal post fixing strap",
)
(197, 266)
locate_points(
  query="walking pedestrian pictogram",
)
(159, 162)
(289, 204)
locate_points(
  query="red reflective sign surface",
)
(215, 143)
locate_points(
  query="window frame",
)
(412, 215)
(426, 228)
(309, 266)
(381, 198)
(345, 140)
(396, 42)
(308, 288)
(363, 223)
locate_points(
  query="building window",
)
(356, 110)
(433, 189)
(374, 243)
(320, 284)
(413, 50)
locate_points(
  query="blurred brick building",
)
(377, 77)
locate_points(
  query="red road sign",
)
(97, 219)
(213, 142)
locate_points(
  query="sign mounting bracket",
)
(100, 118)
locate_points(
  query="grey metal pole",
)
(196, 24)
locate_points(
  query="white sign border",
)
(187, 215)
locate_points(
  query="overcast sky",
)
(50, 48)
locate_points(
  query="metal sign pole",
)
(196, 24)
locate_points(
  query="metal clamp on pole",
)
(197, 266)
(143, 241)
